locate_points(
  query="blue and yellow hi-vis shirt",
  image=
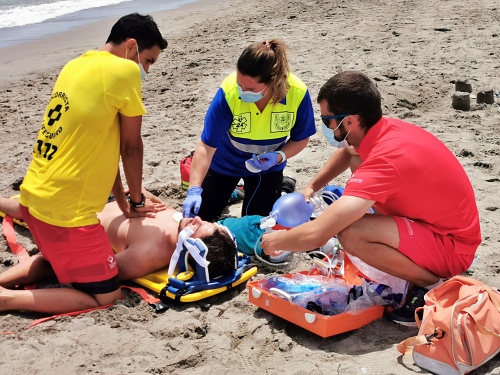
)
(238, 129)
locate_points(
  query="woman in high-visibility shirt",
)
(261, 115)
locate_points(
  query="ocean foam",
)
(12, 16)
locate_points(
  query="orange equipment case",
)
(322, 325)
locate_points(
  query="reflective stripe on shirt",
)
(254, 149)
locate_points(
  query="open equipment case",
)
(322, 325)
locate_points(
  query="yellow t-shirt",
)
(77, 152)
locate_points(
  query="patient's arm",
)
(11, 207)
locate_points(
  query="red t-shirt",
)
(408, 172)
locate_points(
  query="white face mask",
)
(141, 67)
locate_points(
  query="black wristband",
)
(141, 204)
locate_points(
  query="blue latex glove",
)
(264, 161)
(192, 203)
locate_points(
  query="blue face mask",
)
(250, 96)
(328, 133)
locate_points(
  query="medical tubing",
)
(330, 194)
(255, 191)
(326, 256)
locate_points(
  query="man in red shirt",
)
(426, 223)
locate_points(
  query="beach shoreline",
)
(34, 20)
(415, 50)
(49, 53)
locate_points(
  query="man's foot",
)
(406, 314)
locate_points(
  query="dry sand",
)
(414, 49)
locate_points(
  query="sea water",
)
(24, 21)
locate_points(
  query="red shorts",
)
(81, 255)
(430, 250)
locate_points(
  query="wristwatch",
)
(141, 204)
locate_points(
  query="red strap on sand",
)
(147, 298)
(10, 236)
(17, 249)
(74, 313)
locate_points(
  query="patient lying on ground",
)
(144, 245)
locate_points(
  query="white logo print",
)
(355, 180)
(111, 261)
(408, 226)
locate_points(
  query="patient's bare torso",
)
(159, 232)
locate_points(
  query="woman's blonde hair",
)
(267, 60)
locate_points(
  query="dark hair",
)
(142, 28)
(267, 60)
(353, 92)
(221, 252)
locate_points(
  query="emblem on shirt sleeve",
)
(46, 146)
(59, 104)
(281, 122)
(241, 124)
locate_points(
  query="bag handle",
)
(281, 293)
(496, 302)
(495, 298)
(406, 346)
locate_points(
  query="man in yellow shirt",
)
(93, 118)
